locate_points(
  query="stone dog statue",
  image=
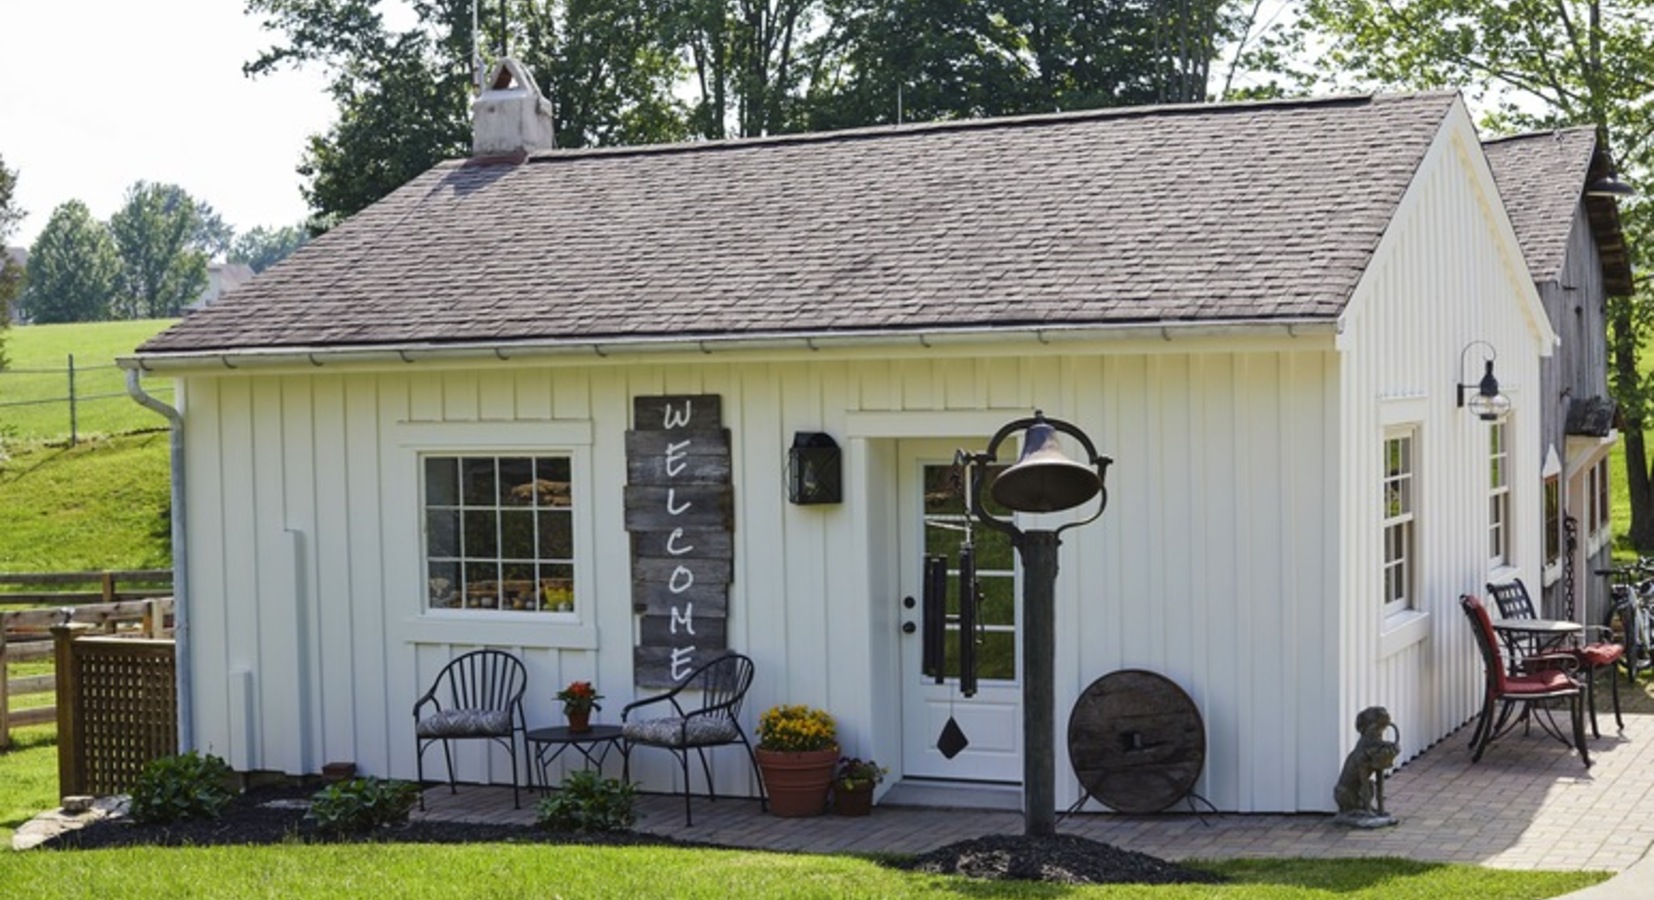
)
(1373, 754)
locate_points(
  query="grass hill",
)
(101, 502)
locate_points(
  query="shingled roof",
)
(1201, 213)
(1542, 177)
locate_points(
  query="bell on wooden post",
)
(1044, 479)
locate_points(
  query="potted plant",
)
(579, 699)
(853, 785)
(797, 750)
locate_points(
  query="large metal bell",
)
(1045, 479)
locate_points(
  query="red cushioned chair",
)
(1514, 602)
(1528, 688)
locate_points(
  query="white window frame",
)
(550, 579)
(1552, 512)
(1499, 495)
(406, 573)
(1399, 525)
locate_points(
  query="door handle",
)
(909, 628)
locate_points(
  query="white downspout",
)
(180, 556)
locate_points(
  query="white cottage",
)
(1259, 310)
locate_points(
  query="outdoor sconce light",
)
(1487, 403)
(1044, 480)
(1611, 188)
(814, 469)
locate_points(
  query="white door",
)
(933, 520)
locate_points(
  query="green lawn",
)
(39, 356)
(505, 870)
(98, 505)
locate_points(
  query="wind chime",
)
(933, 657)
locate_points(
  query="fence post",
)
(71, 773)
(5, 695)
(73, 429)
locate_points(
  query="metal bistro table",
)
(1527, 637)
(549, 743)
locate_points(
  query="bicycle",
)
(1630, 617)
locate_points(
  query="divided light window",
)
(1599, 496)
(499, 533)
(1399, 522)
(1498, 517)
(1553, 521)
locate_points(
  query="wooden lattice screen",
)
(117, 710)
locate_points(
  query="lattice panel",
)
(127, 701)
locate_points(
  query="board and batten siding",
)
(1215, 564)
(1447, 273)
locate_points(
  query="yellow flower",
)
(791, 728)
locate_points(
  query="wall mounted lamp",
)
(1611, 187)
(814, 469)
(1487, 403)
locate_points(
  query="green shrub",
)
(362, 804)
(588, 802)
(184, 786)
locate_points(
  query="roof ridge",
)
(1538, 133)
(871, 132)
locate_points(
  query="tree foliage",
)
(646, 71)
(74, 268)
(1537, 64)
(158, 232)
(11, 274)
(261, 247)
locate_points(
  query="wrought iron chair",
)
(1514, 602)
(722, 685)
(478, 695)
(1506, 690)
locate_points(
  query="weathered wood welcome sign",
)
(680, 511)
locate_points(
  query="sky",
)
(98, 94)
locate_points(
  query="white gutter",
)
(180, 568)
(826, 340)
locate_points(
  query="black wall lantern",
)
(815, 469)
(1486, 403)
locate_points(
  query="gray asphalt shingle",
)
(1193, 213)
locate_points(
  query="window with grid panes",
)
(499, 533)
(1399, 522)
(1498, 517)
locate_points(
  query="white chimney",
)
(511, 117)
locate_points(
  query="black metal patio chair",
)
(721, 685)
(1506, 691)
(477, 696)
(1592, 655)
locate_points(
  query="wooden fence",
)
(96, 599)
(117, 709)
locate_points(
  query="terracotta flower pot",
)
(579, 720)
(858, 802)
(797, 782)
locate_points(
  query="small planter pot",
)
(858, 802)
(797, 782)
(579, 720)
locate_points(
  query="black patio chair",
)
(477, 696)
(1505, 690)
(722, 685)
(1514, 602)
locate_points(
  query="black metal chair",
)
(1514, 602)
(722, 685)
(1506, 690)
(477, 696)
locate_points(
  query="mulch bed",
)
(270, 815)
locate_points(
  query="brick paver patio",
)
(1528, 804)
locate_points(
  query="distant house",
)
(1570, 235)
(221, 279)
(412, 438)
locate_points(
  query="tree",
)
(163, 266)
(74, 268)
(263, 247)
(1538, 64)
(11, 275)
